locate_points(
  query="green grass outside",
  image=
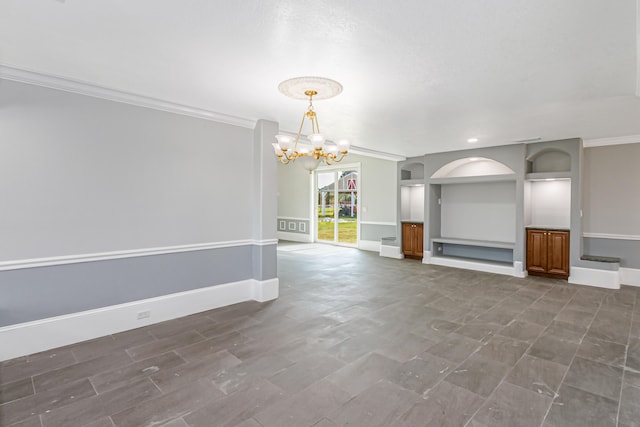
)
(328, 212)
(347, 231)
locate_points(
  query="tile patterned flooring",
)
(354, 340)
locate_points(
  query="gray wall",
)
(612, 189)
(81, 175)
(612, 202)
(480, 211)
(85, 175)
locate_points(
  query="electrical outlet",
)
(144, 314)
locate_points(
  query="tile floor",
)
(356, 340)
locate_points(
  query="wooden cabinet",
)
(548, 253)
(412, 240)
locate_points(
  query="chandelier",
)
(289, 149)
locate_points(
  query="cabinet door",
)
(558, 253)
(537, 251)
(419, 233)
(412, 245)
(407, 238)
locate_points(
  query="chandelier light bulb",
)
(344, 145)
(316, 140)
(277, 149)
(331, 148)
(285, 142)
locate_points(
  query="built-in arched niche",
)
(412, 171)
(472, 166)
(549, 161)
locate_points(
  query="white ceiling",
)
(419, 76)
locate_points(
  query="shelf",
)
(411, 182)
(546, 228)
(479, 243)
(542, 176)
(474, 179)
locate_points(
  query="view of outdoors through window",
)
(337, 196)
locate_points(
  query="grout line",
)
(521, 357)
(572, 358)
(626, 356)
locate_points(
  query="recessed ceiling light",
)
(472, 140)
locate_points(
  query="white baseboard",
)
(295, 237)
(391, 252)
(609, 279)
(630, 276)
(40, 335)
(369, 245)
(472, 265)
(518, 269)
(265, 290)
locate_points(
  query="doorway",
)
(337, 206)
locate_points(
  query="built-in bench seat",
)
(597, 258)
(482, 255)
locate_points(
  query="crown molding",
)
(89, 89)
(599, 142)
(377, 154)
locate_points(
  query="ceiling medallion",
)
(287, 149)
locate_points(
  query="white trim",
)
(132, 253)
(295, 237)
(609, 279)
(40, 335)
(391, 252)
(630, 276)
(341, 166)
(369, 245)
(378, 223)
(291, 218)
(377, 154)
(265, 290)
(85, 88)
(519, 270)
(616, 140)
(611, 236)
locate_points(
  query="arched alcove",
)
(472, 166)
(550, 160)
(412, 171)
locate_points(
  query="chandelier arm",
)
(316, 123)
(295, 146)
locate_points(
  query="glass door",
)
(326, 185)
(337, 202)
